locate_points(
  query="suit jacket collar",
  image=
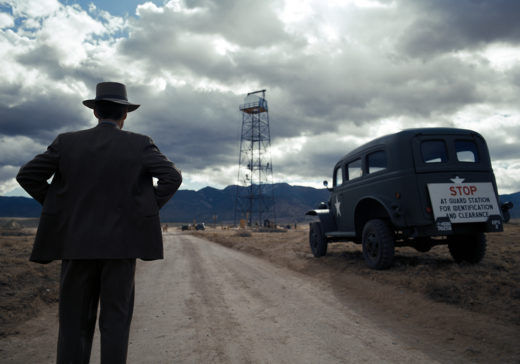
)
(108, 123)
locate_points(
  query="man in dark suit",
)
(100, 213)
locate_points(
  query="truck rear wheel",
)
(317, 240)
(378, 244)
(469, 248)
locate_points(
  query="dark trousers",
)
(83, 284)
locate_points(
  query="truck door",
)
(337, 194)
(343, 202)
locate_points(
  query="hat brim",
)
(130, 107)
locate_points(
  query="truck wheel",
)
(507, 215)
(469, 248)
(317, 240)
(378, 244)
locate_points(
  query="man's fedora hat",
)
(113, 92)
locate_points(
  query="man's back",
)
(101, 203)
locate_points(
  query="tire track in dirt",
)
(208, 303)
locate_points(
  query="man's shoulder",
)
(131, 134)
(96, 129)
(75, 133)
(71, 136)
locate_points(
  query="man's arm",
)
(164, 170)
(33, 175)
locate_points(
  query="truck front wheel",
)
(469, 248)
(378, 244)
(317, 240)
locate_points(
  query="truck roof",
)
(407, 134)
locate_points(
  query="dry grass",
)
(24, 285)
(490, 287)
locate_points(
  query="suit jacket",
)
(101, 203)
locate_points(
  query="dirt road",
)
(209, 304)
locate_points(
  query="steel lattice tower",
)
(254, 199)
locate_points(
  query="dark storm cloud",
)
(15, 151)
(500, 143)
(313, 165)
(502, 151)
(10, 94)
(196, 128)
(40, 115)
(446, 25)
(514, 75)
(7, 172)
(323, 99)
(45, 58)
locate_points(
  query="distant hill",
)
(515, 199)
(291, 204)
(19, 207)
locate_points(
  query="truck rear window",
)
(434, 151)
(466, 151)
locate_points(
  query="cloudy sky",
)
(337, 73)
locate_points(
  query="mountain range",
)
(213, 205)
(206, 205)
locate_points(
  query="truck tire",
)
(469, 248)
(317, 240)
(507, 216)
(378, 244)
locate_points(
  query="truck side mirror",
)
(326, 184)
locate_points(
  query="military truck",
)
(418, 188)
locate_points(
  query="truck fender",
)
(505, 207)
(373, 207)
(328, 223)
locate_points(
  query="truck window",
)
(354, 169)
(376, 161)
(338, 176)
(466, 151)
(434, 151)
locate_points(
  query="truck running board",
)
(340, 234)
